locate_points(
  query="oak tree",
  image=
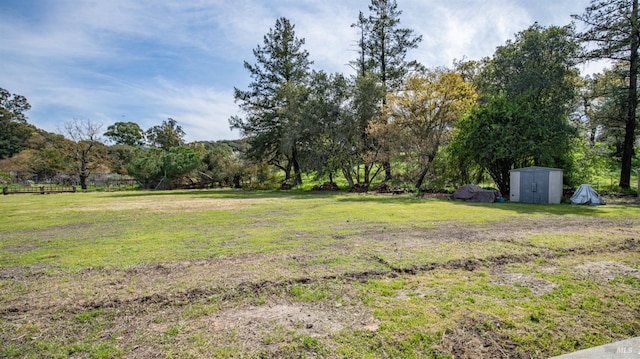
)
(85, 149)
(14, 129)
(167, 135)
(526, 93)
(424, 115)
(125, 133)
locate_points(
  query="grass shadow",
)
(561, 209)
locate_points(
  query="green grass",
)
(101, 229)
(173, 273)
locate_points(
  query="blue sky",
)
(146, 60)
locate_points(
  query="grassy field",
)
(300, 274)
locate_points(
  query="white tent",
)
(585, 194)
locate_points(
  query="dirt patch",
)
(23, 273)
(477, 336)
(537, 286)
(255, 323)
(510, 231)
(607, 270)
(20, 248)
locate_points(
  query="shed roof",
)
(536, 169)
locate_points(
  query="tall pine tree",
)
(383, 48)
(271, 104)
(614, 31)
(383, 44)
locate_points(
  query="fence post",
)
(5, 190)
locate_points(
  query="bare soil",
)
(477, 336)
(252, 323)
(537, 286)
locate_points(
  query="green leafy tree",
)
(324, 122)
(145, 165)
(125, 133)
(156, 168)
(179, 162)
(119, 157)
(44, 158)
(613, 31)
(219, 162)
(609, 112)
(537, 70)
(527, 92)
(336, 125)
(167, 135)
(272, 103)
(494, 135)
(602, 110)
(14, 129)
(365, 155)
(225, 162)
(126, 136)
(342, 114)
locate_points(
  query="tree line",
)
(157, 158)
(392, 120)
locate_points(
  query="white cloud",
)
(326, 28)
(202, 111)
(145, 60)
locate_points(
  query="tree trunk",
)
(387, 171)
(287, 171)
(500, 174)
(83, 180)
(346, 172)
(366, 179)
(630, 128)
(83, 172)
(296, 166)
(421, 177)
(425, 170)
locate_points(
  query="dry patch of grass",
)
(178, 204)
(537, 286)
(608, 270)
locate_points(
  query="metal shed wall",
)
(536, 185)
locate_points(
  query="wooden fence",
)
(37, 189)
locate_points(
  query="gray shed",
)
(536, 185)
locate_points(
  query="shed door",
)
(534, 187)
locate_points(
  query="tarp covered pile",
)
(473, 193)
(585, 194)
